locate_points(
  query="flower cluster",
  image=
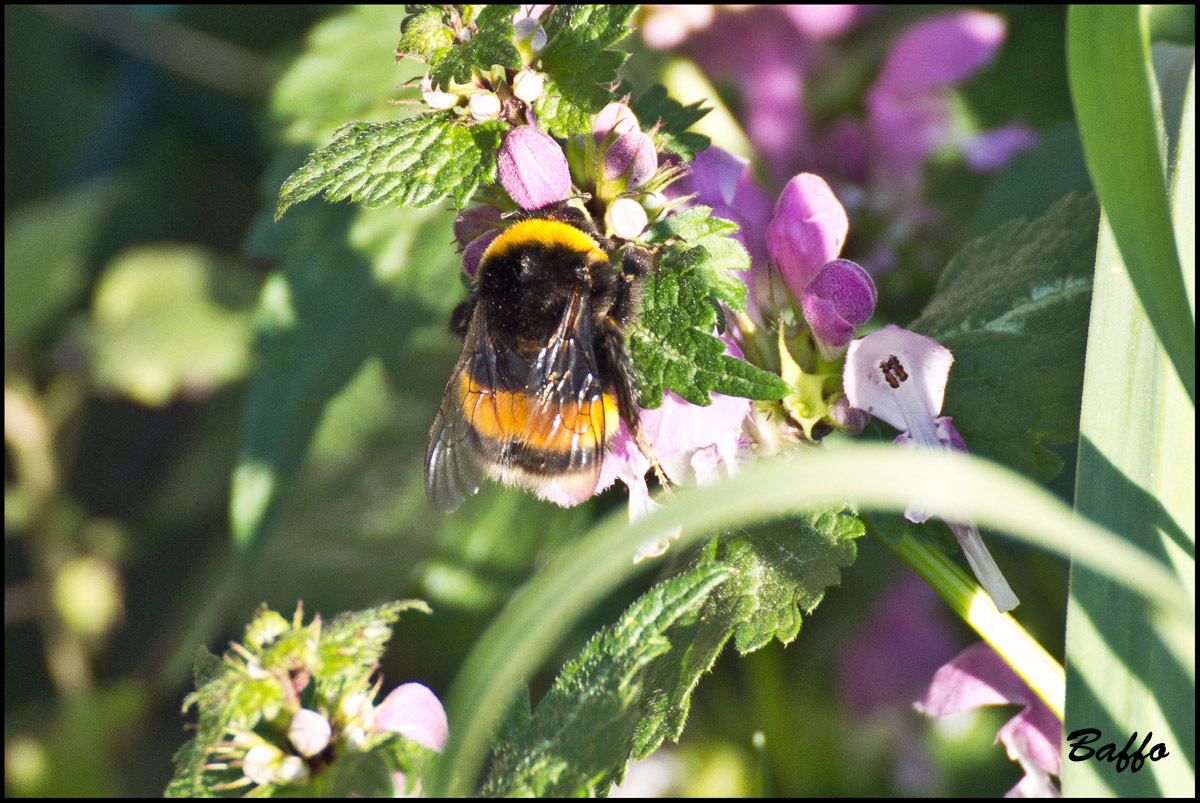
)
(287, 711)
(806, 303)
(500, 93)
(800, 91)
(805, 300)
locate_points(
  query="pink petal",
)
(415, 712)
(941, 52)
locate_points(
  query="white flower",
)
(900, 377)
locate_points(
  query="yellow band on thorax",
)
(542, 232)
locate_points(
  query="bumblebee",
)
(544, 377)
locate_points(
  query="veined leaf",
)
(412, 162)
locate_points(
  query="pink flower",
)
(900, 645)
(414, 712)
(979, 677)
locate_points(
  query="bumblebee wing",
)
(571, 416)
(452, 468)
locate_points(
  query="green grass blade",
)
(1136, 475)
(1112, 86)
(875, 477)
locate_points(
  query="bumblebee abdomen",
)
(512, 428)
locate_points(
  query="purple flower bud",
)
(631, 155)
(615, 118)
(839, 299)
(475, 221)
(626, 218)
(532, 168)
(473, 253)
(807, 231)
(848, 418)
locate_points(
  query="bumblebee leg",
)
(617, 365)
(460, 318)
(636, 262)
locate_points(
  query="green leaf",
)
(670, 120)
(366, 773)
(672, 344)
(580, 68)
(352, 644)
(1137, 474)
(782, 570)
(412, 162)
(46, 247)
(579, 739)
(874, 476)
(345, 72)
(1113, 88)
(214, 717)
(1012, 308)
(170, 320)
(225, 698)
(426, 32)
(490, 44)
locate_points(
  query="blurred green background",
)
(143, 150)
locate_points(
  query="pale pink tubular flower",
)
(693, 445)
(908, 114)
(900, 377)
(414, 712)
(724, 182)
(979, 677)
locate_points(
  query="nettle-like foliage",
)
(434, 155)
(292, 707)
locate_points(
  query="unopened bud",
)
(527, 86)
(261, 762)
(632, 155)
(475, 221)
(484, 106)
(532, 168)
(473, 254)
(848, 418)
(529, 35)
(436, 99)
(838, 300)
(309, 732)
(291, 770)
(626, 219)
(615, 118)
(807, 230)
